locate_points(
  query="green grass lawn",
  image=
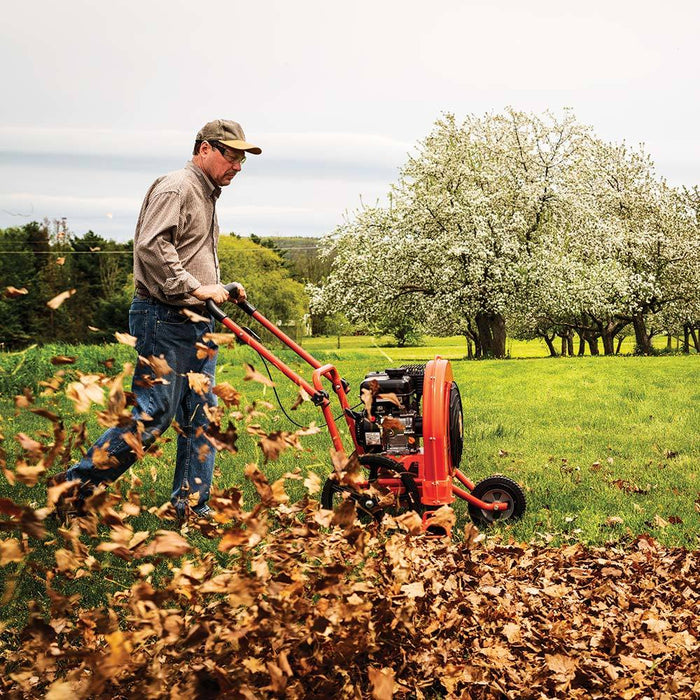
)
(589, 438)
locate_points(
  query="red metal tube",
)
(467, 482)
(286, 339)
(259, 347)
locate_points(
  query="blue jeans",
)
(161, 330)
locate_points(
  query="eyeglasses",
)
(230, 156)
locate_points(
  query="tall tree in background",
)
(524, 218)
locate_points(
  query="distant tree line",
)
(526, 224)
(39, 261)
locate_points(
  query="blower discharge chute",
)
(409, 435)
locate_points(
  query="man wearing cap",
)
(176, 267)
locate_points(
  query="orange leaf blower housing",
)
(409, 436)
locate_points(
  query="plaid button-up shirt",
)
(176, 237)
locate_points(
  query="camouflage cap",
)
(229, 133)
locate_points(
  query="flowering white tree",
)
(521, 217)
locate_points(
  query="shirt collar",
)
(213, 190)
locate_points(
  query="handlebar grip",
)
(243, 304)
(214, 310)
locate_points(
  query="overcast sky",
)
(100, 98)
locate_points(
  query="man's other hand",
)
(215, 292)
(238, 292)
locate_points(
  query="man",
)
(176, 267)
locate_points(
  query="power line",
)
(61, 253)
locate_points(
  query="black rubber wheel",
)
(499, 489)
(456, 419)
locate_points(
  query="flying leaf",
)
(312, 482)
(220, 338)
(10, 551)
(302, 396)
(204, 351)
(59, 299)
(125, 339)
(392, 398)
(166, 543)
(227, 394)
(251, 374)
(194, 316)
(199, 383)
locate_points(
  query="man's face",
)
(221, 168)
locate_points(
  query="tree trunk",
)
(608, 341)
(563, 345)
(550, 344)
(593, 344)
(669, 342)
(695, 335)
(492, 334)
(581, 344)
(642, 339)
(570, 343)
(619, 344)
(470, 351)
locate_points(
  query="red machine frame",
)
(436, 474)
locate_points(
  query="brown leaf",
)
(30, 445)
(392, 426)
(25, 399)
(561, 665)
(46, 414)
(125, 339)
(13, 292)
(392, 398)
(63, 360)
(10, 551)
(29, 475)
(222, 440)
(382, 682)
(410, 521)
(59, 299)
(160, 366)
(220, 338)
(199, 383)
(302, 396)
(312, 483)
(194, 316)
(227, 394)
(204, 351)
(60, 690)
(251, 374)
(166, 543)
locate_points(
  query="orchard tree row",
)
(526, 224)
(40, 261)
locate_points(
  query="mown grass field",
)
(606, 448)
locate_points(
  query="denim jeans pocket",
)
(174, 317)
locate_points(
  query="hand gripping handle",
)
(218, 314)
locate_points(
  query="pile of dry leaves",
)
(312, 603)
